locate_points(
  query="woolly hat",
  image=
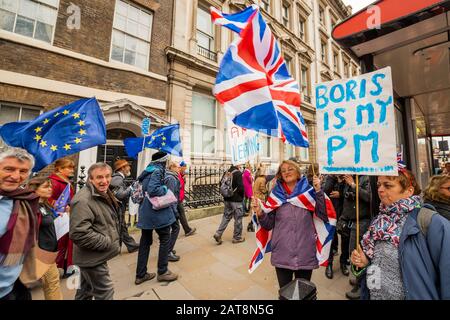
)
(159, 156)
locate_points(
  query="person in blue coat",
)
(152, 180)
(405, 254)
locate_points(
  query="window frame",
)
(303, 67)
(126, 34)
(35, 20)
(324, 53)
(193, 123)
(285, 8)
(212, 51)
(265, 2)
(270, 146)
(322, 10)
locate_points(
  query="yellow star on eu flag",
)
(45, 121)
(81, 123)
(66, 112)
(82, 132)
(53, 147)
(37, 138)
(67, 147)
(37, 129)
(163, 143)
(76, 115)
(78, 140)
(164, 138)
(43, 143)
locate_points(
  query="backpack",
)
(137, 192)
(226, 184)
(424, 217)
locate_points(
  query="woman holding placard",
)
(405, 254)
(293, 233)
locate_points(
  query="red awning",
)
(395, 14)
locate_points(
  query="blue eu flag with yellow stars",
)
(63, 201)
(59, 132)
(165, 139)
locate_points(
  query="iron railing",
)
(202, 186)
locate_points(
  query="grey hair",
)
(18, 153)
(97, 166)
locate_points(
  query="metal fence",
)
(202, 185)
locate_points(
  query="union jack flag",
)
(401, 164)
(304, 196)
(253, 82)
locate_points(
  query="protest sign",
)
(356, 125)
(243, 143)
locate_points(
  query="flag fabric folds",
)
(63, 200)
(253, 82)
(165, 139)
(59, 132)
(303, 196)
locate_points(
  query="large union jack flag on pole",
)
(253, 82)
(303, 196)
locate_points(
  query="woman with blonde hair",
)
(294, 252)
(60, 178)
(47, 240)
(437, 194)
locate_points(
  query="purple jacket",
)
(248, 183)
(293, 235)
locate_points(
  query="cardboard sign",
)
(356, 125)
(243, 143)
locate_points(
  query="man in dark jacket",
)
(122, 192)
(152, 179)
(349, 216)
(233, 208)
(334, 188)
(94, 229)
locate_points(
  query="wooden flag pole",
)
(357, 212)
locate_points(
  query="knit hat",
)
(182, 164)
(160, 156)
(119, 164)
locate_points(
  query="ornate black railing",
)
(202, 186)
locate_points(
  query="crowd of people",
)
(404, 251)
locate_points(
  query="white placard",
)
(244, 143)
(356, 125)
(133, 208)
(62, 224)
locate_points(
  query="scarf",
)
(303, 196)
(385, 226)
(21, 232)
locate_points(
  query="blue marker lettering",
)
(370, 112)
(337, 114)
(383, 105)
(321, 99)
(349, 87)
(377, 84)
(331, 148)
(333, 93)
(357, 138)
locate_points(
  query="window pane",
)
(131, 43)
(132, 28)
(120, 22)
(53, 3)
(29, 114)
(24, 26)
(202, 139)
(141, 61)
(204, 110)
(130, 57)
(209, 138)
(204, 22)
(47, 15)
(145, 19)
(121, 7)
(133, 13)
(203, 41)
(43, 32)
(143, 47)
(117, 53)
(7, 20)
(144, 32)
(118, 39)
(10, 5)
(28, 8)
(264, 143)
(9, 114)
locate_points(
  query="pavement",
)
(206, 271)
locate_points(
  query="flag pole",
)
(357, 212)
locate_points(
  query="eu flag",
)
(59, 132)
(63, 200)
(165, 139)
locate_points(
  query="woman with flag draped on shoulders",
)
(60, 178)
(289, 212)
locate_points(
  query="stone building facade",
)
(303, 29)
(53, 52)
